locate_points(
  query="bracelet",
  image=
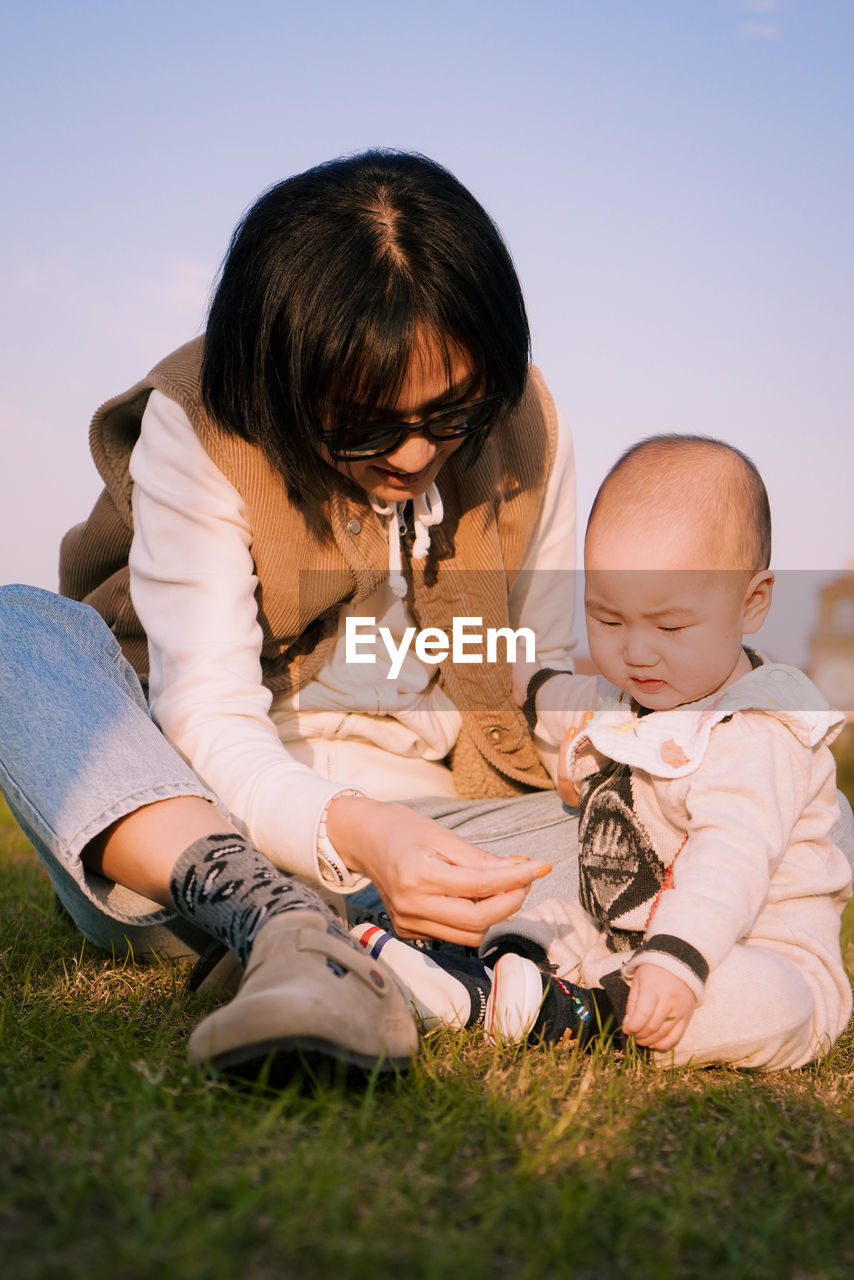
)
(332, 868)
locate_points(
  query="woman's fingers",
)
(456, 904)
(464, 914)
(456, 851)
(456, 919)
(500, 875)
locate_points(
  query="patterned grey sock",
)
(223, 884)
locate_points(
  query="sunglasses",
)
(373, 439)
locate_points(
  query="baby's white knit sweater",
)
(707, 825)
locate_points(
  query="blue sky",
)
(674, 179)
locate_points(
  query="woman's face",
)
(412, 467)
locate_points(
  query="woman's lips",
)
(404, 479)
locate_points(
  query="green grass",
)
(117, 1161)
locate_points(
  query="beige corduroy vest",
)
(311, 559)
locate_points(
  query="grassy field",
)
(117, 1161)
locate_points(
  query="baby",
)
(710, 890)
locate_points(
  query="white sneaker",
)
(515, 999)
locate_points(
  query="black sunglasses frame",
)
(342, 444)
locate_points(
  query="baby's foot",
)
(526, 1004)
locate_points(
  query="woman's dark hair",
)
(329, 281)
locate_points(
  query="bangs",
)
(364, 381)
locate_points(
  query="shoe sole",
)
(279, 1060)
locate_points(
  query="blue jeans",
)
(78, 749)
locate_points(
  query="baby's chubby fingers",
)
(666, 1038)
(659, 1007)
(640, 1011)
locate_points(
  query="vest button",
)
(355, 526)
(495, 734)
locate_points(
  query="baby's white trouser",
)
(764, 1007)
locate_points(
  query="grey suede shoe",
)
(306, 994)
(217, 972)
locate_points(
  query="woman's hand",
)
(659, 1008)
(434, 884)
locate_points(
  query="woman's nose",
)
(413, 454)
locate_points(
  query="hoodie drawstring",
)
(427, 510)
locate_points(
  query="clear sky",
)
(675, 180)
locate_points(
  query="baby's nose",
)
(639, 650)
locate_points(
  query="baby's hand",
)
(659, 1008)
(563, 784)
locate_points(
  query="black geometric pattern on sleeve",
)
(619, 869)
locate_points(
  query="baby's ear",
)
(757, 600)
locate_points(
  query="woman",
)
(358, 436)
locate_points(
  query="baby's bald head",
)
(699, 495)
